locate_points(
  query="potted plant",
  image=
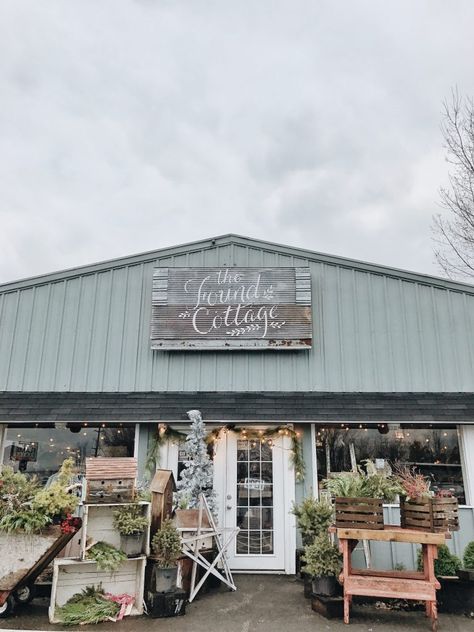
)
(166, 547)
(323, 562)
(422, 510)
(312, 518)
(359, 496)
(131, 524)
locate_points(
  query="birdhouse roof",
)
(110, 467)
(160, 481)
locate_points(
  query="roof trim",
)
(251, 242)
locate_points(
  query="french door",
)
(250, 480)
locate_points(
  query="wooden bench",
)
(419, 586)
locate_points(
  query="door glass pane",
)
(254, 498)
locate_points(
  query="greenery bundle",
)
(108, 558)
(166, 545)
(129, 520)
(313, 517)
(16, 491)
(322, 558)
(89, 606)
(24, 520)
(446, 565)
(414, 484)
(28, 508)
(57, 500)
(468, 557)
(361, 484)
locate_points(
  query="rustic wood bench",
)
(419, 586)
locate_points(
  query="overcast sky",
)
(127, 125)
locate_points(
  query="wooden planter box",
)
(72, 576)
(436, 515)
(98, 525)
(359, 513)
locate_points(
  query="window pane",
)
(432, 451)
(41, 450)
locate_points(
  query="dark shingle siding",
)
(289, 406)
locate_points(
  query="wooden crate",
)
(437, 515)
(72, 576)
(359, 513)
(97, 524)
(110, 480)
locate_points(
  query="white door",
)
(252, 491)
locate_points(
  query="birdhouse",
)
(110, 480)
(162, 488)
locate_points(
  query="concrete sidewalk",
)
(262, 603)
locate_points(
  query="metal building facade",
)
(374, 330)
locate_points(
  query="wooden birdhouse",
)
(110, 480)
(162, 488)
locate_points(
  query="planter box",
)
(436, 515)
(186, 522)
(98, 524)
(171, 604)
(359, 513)
(72, 576)
(456, 596)
(467, 575)
(329, 607)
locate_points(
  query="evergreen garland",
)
(166, 433)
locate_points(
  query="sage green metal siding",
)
(375, 329)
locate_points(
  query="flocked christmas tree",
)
(198, 473)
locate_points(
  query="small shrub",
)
(166, 545)
(313, 517)
(446, 565)
(322, 558)
(468, 558)
(129, 520)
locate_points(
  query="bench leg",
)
(434, 616)
(347, 607)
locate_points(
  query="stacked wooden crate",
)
(110, 484)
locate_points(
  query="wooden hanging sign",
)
(231, 308)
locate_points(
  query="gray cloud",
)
(128, 126)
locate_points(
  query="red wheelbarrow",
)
(23, 557)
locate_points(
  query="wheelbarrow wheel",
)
(7, 608)
(24, 594)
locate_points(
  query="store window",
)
(41, 448)
(431, 450)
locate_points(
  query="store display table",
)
(419, 586)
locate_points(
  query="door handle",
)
(229, 507)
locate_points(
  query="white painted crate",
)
(97, 523)
(72, 576)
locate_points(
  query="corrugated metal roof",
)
(375, 329)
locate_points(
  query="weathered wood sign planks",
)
(231, 308)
